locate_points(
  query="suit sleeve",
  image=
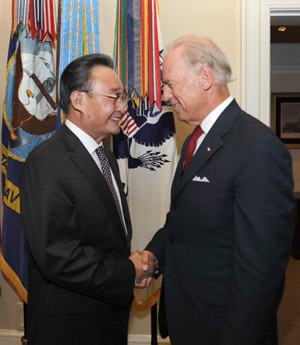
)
(263, 232)
(55, 236)
(158, 243)
(158, 247)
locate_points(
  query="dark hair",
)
(76, 76)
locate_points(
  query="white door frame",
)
(256, 52)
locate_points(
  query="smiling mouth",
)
(117, 119)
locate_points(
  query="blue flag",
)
(29, 118)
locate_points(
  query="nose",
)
(121, 107)
(167, 94)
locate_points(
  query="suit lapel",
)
(85, 163)
(210, 145)
(178, 172)
(116, 173)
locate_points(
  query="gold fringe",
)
(142, 307)
(13, 278)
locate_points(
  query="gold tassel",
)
(142, 307)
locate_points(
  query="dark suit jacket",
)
(226, 242)
(80, 278)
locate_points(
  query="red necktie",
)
(192, 145)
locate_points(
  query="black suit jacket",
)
(227, 238)
(80, 278)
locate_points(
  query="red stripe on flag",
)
(124, 119)
(119, 42)
(31, 20)
(125, 127)
(132, 131)
(124, 115)
(44, 28)
(128, 124)
(157, 60)
(24, 20)
(13, 17)
(132, 125)
(52, 22)
(18, 13)
(142, 49)
(150, 57)
(126, 85)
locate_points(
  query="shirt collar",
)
(88, 142)
(212, 117)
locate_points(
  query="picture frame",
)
(285, 118)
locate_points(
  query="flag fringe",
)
(13, 278)
(143, 307)
(11, 60)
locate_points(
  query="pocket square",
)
(199, 179)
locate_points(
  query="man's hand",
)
(149, 265)
(144, 264)
(149, 261)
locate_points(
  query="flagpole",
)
(24, 338)
(154, 324)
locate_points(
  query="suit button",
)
(170, 240)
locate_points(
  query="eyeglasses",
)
(119, 97)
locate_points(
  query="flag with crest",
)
(30, 112)
(29, 118)
(145, 147)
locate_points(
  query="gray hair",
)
(199, 51)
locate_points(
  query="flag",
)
(29, 118)
(145, 147)
(79, 33)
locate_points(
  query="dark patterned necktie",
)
(108, 178)
(192, 145)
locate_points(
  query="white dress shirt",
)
(211, 118)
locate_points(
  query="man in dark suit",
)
(77, 225)
(226, 242)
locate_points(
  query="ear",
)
(206, 77)
(77, 99)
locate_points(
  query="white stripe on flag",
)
(128, 125)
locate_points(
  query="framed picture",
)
(285, 118)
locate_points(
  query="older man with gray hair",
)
(225, 245)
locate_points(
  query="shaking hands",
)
(145, 264)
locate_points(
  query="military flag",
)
(79, 33)
(145, 147)
(29, 118)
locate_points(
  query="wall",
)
(285, 78)
(218, 19)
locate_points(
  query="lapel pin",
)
(208, 149)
